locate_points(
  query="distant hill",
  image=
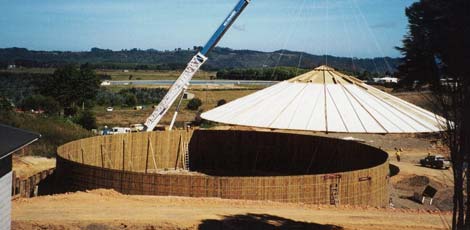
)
(219, 58)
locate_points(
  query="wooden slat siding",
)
(165, 146)
(5, 201)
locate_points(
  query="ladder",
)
(186, 155)
(334, 194)
(334, 181)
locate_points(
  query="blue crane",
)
(182, 83)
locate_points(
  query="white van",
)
(119, 130)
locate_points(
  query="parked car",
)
(109, 109)
(435, 161)
(137, 127)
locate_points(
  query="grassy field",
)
(121, 75)
(124, 116)
(55, 131)
(152, 74)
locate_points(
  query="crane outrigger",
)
(182, 83)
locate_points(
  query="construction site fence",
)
(145, 163)
(28, 187)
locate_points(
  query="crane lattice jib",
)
(196, 62)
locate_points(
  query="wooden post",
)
(123, 164)
(13, 189)
(83, 156)
(17, 186)
(102, 156)
(130, 160)
(123, 153)
(22, 188)
(147, 159)
(178, 153)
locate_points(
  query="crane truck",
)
(182, 83)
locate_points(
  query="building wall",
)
(119, 162)
(5, 201)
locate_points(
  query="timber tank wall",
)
(229, 164)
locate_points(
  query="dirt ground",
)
(107, 209)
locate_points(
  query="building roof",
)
(13, 139)
(326, 100)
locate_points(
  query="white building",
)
(105, 83)
(383, 80)
(11, 140)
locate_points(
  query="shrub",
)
(221, 102)
(87, 120)
(194, 104)
(5, 105)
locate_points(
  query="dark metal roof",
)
(13, 139)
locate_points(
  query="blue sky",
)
(358, 28)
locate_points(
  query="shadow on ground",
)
(261, 221)
(394, 170)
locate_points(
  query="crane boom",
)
(193, 66)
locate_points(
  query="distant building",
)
(383, 80)
(11, 140)
(105, 83)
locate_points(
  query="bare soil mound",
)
(416, 184)
(413, 182)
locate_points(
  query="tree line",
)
(284, 73)
(130, 96)
(220, 58)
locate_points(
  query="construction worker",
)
(398, 154)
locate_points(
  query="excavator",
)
(180, 86)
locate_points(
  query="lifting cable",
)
(293, 29)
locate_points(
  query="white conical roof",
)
(326, 100)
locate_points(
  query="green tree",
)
(72, 86)
(437, 47)
(40, 102)
(221, 102)
(194, 104)
(130, 99)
